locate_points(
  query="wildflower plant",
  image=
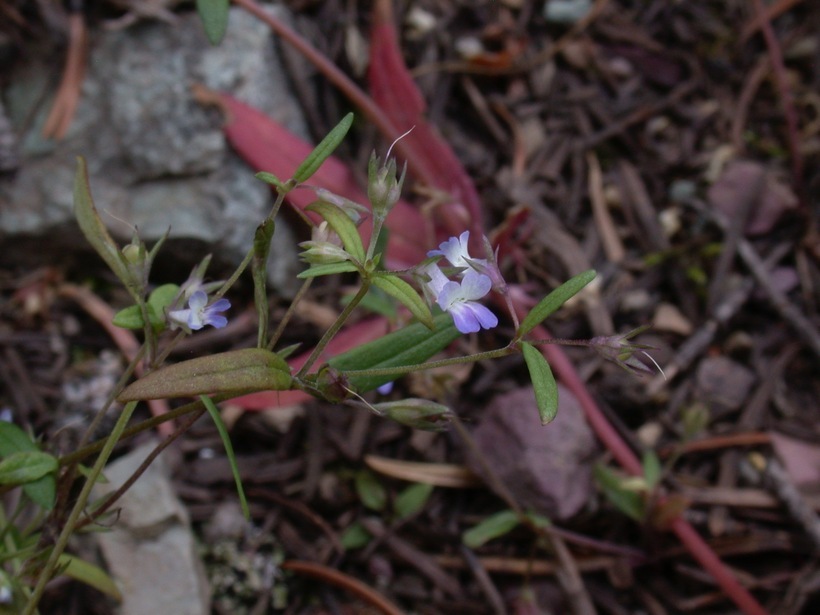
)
(444, 294)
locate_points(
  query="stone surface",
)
(151, 550)
(547, 468)
(156, 157)
(722, 384)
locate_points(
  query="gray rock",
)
(156, 158)
(547, 468)
(151, 550)
(722, 384)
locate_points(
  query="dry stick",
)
(786, 98)
(116, 495)
(777, 479)
(348, 583)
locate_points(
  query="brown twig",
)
(345, 582)
(786, 97)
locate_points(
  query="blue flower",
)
(460, 298)
(200, 314)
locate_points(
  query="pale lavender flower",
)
(199, 314)
(456, 251)
(460, 298)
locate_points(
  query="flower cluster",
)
(460, 299)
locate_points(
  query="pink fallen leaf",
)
(734, 185)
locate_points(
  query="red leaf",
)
(431, 158)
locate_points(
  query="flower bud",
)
(324, 247)
(417, 413)
(383, 187)
(620, 350)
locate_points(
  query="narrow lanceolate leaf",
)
(233, 373)
(85, 572)
(270, 178)
(492, 527)
(323, 151)
(92, 226)
(214, 16)
(555, 300)
(213, 411)
(14, 440)
(411, 345)
(340, 222)
(402, 291)
(331, 268)
(412, 499)
(26, 467)
(543, 382)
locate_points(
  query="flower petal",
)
(475, 285)
(464, 318)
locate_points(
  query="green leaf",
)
(402, 291)
(652, 470)
(42, 492)
(555, 300)
(214, 16)
(270, 178)
(94, 576)
(412, 499)
(370, 491)
(234, 373)
(625, 499)
(160, 298)
(93, 228)
(226, 442)
(340, 222)
(543, 382)
(259, 273)
(329, 269)
(375, 301)
(26, 467)
(323, 151)
(355, 536)
(492, 527)
(410, 345)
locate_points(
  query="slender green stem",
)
(289, 313)
(82, 453)
(79, 506)
(378, 222)
(406, 369)
(334, 328)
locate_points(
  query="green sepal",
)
(214, 16)
(26, 467)
(345, 228)
(406, 294)
(43, 491)
(323, 151)
(159, 299)
(232, 373)
(554, 300)
(494, 526)
(543, 382)
(329, 269)
(411, 345)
